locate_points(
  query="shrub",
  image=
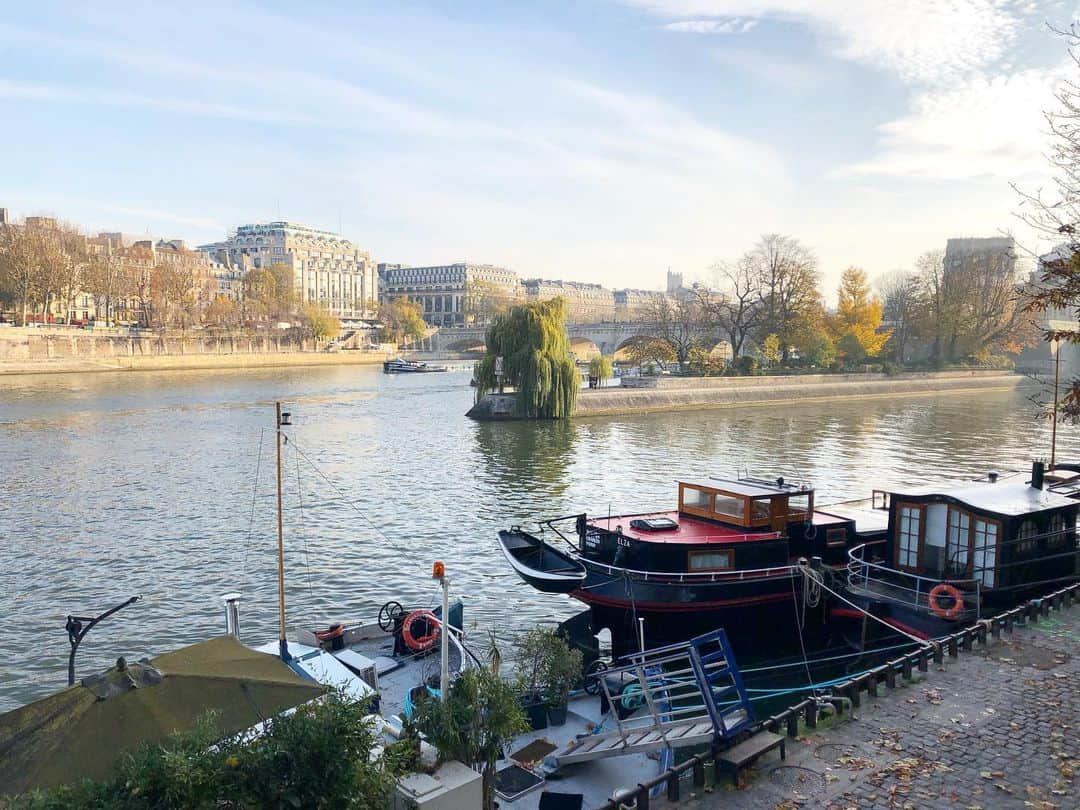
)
(318, 756)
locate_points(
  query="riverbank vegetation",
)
(318, 756)
(51, 273)
(768, 310)
(530, 342)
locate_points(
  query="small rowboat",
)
(544, 567)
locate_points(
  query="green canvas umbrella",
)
(81, 732)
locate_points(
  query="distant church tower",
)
(674, 282)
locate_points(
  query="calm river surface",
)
(145, 483)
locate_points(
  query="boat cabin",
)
(998, 534)
(724, 525)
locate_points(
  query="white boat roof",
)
(323, 667)
(1004, 497)
(867, 518)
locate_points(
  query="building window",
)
(1025, 537)
(710, 560)
(908, 536)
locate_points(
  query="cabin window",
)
(908, 536)
(1025, 537)
(958, 542)
(710, 560)
(696, 498)
(730, 506)
(798, 504)
(1055, 540)
(834, 538)
(759, 509)
(984, 545)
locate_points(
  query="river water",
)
(162, 485)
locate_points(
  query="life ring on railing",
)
(951, 591)
(425, 641)
(335, 631)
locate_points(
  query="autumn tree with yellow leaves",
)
(854, 327)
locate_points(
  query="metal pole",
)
(1053, 428)
(283, 645)
(444, 641)
(77, 628)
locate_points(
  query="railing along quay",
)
(850, 691)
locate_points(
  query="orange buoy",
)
(945, 589)
(427, 640)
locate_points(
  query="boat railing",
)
(695, 576)
(907, 588)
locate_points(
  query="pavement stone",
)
(997, 727)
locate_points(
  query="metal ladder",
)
(679, 695)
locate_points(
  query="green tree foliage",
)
(322, 324)
(319, 756)
(816, 347)
(602, 368)
(479, 717)
(484, 300)
(531, 339)
(402, 321)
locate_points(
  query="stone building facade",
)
(328, 270)
(585, 303)
(634, 305)
(444, 291)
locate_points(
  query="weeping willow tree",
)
(531, 339)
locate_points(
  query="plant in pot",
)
(547, 671)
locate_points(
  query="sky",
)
(598, 140)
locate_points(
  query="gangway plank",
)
(690, 694)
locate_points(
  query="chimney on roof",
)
(992, 476)
(1038, 470)
(3, 216)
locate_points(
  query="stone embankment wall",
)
(686, 393)
(655, 394)
(42, 350)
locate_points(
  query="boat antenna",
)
(282, 420)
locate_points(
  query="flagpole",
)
(283, 645)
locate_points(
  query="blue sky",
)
(601, 141)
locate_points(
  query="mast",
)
(283, 645)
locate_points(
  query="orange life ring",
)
(426, 641)
(945, 589)
(335, 631)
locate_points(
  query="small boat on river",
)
(727, 556)
(400, 366)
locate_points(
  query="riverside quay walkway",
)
(988, 719)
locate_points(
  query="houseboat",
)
(725, 557)
(400, 366)
(954, 554)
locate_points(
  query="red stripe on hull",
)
(678, 607)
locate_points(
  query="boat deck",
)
(690, 530)
(595, 780)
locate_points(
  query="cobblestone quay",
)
(998, 727)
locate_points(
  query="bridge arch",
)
(583, 348)
(469, 344)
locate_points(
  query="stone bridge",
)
(607, 338)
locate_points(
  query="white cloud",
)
(985, 126)
(732, 26)
(924, 41)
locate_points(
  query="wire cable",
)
(251, 517)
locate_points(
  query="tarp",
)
(81, 732)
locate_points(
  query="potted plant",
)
(547, 671)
